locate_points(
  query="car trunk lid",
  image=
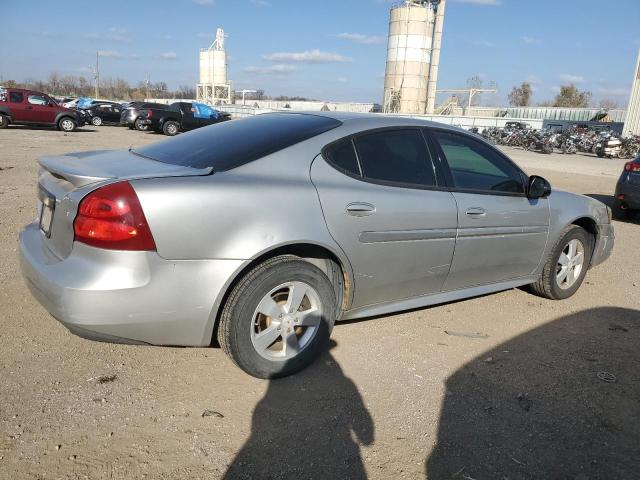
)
(64, 180)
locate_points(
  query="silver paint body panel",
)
(418, 248)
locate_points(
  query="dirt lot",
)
(507, 386)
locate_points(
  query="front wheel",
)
(67, 124)
(278, 318)
(4, 121)
(96, 121)
(567, 265)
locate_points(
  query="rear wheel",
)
(96, 121)
(67, 124)
(567, 265)
(141, 126)
(171, 128)
(278, 318)
(4, 121)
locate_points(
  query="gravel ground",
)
(506, 386)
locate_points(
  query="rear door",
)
(17, 106)
(383, 203)
(502, 234)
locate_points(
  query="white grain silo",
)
(214, 86)
(413, 56)
(632, 122)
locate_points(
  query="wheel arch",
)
(590, 225)
(62, 115)
(334, 264)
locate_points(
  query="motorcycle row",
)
(603, 143)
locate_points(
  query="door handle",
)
(360, 209)
(476, 212)
(28, 107)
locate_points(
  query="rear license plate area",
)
(47, 209)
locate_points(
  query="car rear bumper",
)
(604, 244)
(631, 194)
(131, 297)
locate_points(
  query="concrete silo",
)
(632, 123)
(413, 56)
(214, 86)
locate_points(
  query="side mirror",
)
(538, 187)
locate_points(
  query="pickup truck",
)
(19, 106)
(181, 117)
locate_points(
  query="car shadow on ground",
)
(609, 201)
(309, 425)
(561, 401)
(46, 128)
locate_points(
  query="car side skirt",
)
(434, 299)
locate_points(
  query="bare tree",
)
(571, 97)
(521, 96)
(608, 104)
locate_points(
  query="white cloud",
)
(361, 38)
(116, 54)
(276, 69)
(308, 56)
(260, 3)
(342, 80)
(567, 77)
(207, 35)
(530, 40)
(613, 91)
(114, 34)
(168, 56)
(206, 3)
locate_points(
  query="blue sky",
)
(330, 50)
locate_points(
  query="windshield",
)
(227, 145)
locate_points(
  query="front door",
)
(41, 110)
(383, 206)
(502, 234)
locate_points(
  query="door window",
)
(16, 97)
(397, 156)
(37, 100)
(476, 166)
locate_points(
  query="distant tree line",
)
(111, 88)
(569, 96)
(260, 95)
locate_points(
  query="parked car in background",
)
(262, 232)
(27, 107)
(130, 116)
(627, 196)
(181, 117)
(103, 112)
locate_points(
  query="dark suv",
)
(628, 190)
(27, 107)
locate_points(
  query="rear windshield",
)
(228, 145)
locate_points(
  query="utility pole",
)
(97, 74)
(146, 83)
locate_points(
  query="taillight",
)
(111, 217)
(632, 167)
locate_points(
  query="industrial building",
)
(214, 87)
(413, 56)
(632, 124)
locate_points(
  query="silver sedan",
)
(260, 233)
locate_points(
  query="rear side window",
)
(16, 97)
(342, 155)
(228, 145)
(397, 156)
(476, 166)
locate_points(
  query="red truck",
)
(27, 107)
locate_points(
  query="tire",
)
(171, 128)
(67, 124)
(96, 121)
(622, 213)
(4, 121)
(549, 286)
(131, 127)
(270, 284)
(140, 126)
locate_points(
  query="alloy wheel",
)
(570, 264)
(286, 321)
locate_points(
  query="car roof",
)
(376, 120)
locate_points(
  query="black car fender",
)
(75, 117)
